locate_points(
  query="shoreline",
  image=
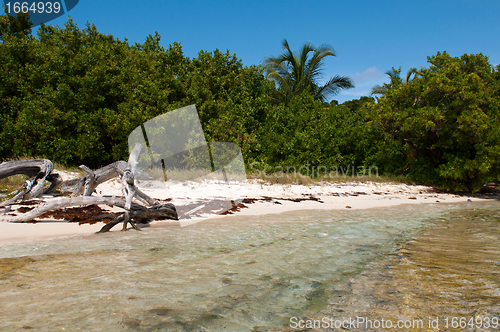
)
(261, 199)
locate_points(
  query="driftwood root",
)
(40, 170)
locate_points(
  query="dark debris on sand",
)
(81, 215)
(92, 214)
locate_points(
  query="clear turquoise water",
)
(234, 274)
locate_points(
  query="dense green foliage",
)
(448, 122)
(309, 131)
(74, 95)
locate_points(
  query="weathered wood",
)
(41, 170)
(89, 181)
(6, 210)
(138, 212)
(87, 184)
(128, 188)
(62, 203)
(30, 168)
(37, 170)
(55, 180)
(21, 192)
(157, 212)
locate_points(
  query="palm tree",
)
(396, 80)
(296, 73)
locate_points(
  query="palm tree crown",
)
(396, 80)
(296, 73)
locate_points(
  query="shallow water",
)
(447, 279)
(255, 273)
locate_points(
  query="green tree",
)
(448, 122)
(74, 95)
(305, 132)
(15, 26)
(296, 73)
(17, 54)
(232, 99)
(396, 80)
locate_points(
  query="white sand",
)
(332, 195)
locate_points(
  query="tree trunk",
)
(41, 170)
(87, 184)
(37, 170)
(138, 212)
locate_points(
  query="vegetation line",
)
(73, 95)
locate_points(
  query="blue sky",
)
(369, 37)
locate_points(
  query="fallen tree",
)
(136, 213)
(39, 171)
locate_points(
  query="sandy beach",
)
(334, 254)
(255, 197)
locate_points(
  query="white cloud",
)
(357, 92)
(369, 74)
(363, 84)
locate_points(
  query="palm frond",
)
(316, 63)
(394, 73)
(411, 71)
(333, 86)
(379, 90)
(396, 80)
(295, 73)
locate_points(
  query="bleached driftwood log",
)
(38, 172)
(63, 203)
(157, 212)
(138, 213)
(86, 185)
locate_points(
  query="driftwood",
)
(40, 170)
(157, 212)
(87, 184)
(137, 214)
(63, 203)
